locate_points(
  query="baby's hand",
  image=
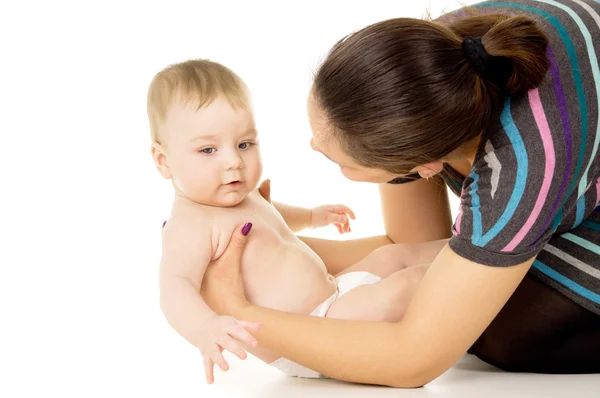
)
(220, 333)
(332, 214)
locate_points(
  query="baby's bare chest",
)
(269, 231)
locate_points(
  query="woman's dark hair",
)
(403, 92)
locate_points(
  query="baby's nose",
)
(234, 163)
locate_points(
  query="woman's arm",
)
(460, 299)
(418, 211)
(414, 212)
(341, 254)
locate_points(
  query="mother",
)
(500, 101)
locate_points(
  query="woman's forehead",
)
(316, 116)
(329, 146)
(322, 138)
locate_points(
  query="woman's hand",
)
(222, 286)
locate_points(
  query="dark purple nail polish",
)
(246, 229)
(165, 223)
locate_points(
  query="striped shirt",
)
(534, 189)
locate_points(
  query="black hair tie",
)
(495, 69)
(476, 54)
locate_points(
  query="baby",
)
(205, 141)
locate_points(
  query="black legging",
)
(539, 330)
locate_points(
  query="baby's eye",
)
(208, 151)
(244, 145)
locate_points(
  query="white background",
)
(81, 202)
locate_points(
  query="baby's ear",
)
(265, 190)
(160, 160)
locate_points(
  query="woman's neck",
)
(470, 150)
(463, 158)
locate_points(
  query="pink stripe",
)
(460, 213)
(457, 222)
(540, 119)
(598, 192)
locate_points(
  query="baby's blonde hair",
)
(196, 82)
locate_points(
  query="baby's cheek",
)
(255, 171)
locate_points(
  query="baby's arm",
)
(296, 218)
(186, 254)
(300, 218)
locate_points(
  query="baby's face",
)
(212, 153)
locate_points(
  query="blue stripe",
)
(575, 69)
(563, 280)
(586, 244)
(580, 211)
(583, 182)
(557, 219)
(591, 225)
(519, 187)
(475, 206)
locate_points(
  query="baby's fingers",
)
(208, 369)
(240, 333)
(232, 346)
(341, 209)
(249, 326)
(333, 218)
(217, 357)
(350, 213)
(346, 226)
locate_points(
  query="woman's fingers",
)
(235, 248)
(227, 267)
(222, 285)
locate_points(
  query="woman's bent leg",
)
(540, 330)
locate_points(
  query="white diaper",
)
(345, 283)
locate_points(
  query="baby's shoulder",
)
(187, 245)
(189, 228)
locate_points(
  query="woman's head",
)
(402, 94)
